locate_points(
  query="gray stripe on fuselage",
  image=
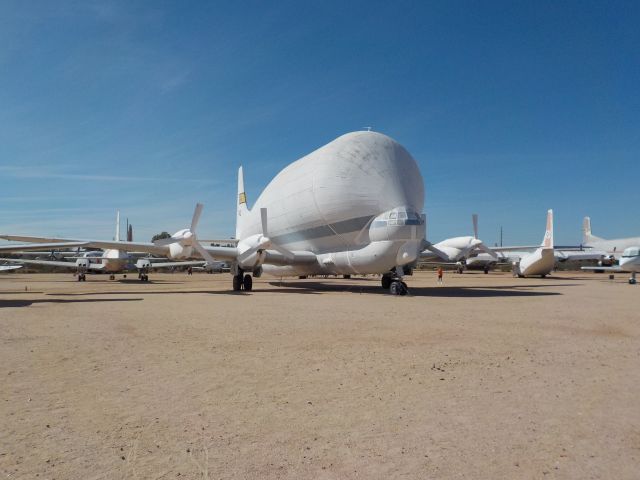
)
(352, 225)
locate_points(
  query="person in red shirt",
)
(440, 272)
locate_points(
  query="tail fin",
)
(474, 220)
(587, 237)
(547, 242)
(243, 210)
(117, 237)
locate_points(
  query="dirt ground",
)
(486, 377)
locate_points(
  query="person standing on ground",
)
(440, 272)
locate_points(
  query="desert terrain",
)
(486, 377)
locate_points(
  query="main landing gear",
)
(242, 282)
(393, 282)
(143, 277)
(82, 277)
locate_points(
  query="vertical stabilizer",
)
(117, 238)
(587, 236)
(242, 209)
(547, 242)
(474, 219)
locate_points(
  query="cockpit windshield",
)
(631, 252)
(401, 216)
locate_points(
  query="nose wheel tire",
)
(398, 288)
(247, 283)
(237, 283)
(82, 277)
(386, 282)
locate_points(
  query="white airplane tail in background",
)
(547, 242)
(587, 237)
(243, 210)
(117, 237)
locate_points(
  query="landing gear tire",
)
(486, 270)
(237, 283)
(247, 283)
(632, 279)
(144, 277)
(346, 277)
(112, 277)
(82, 277)
(386, 282)
(398, 288)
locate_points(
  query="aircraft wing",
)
(51, 263)
(178, 264)
(126, 246)
(605, 269)
(525, 249)
(9, 267)
(566, 255)
(40, 246)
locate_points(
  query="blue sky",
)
(510, 108)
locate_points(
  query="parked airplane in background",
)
(629, 262)
(458, 251)
(540, 261)
(111, 260)
(611, 248)
(482, 261)
(351, 207)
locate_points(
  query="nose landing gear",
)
(242, 282)
(632, 278)
(392, 281)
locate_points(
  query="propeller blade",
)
(263, 218)
(247, 253)
(432, 248)
(206, 255)
(196, 216)
(486, 249)
(474, 218)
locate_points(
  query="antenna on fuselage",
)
(368, 129)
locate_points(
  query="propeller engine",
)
(252, 249)
(183, 242)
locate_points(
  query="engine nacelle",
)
(176, 250)
(83, 263)
(143, 264)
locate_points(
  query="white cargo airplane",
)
(111, 260)
(538, 262)
(351, 207)
(609, 248)
(525, 261)
(458, 251)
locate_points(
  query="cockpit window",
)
(631, 252)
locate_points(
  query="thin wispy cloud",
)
(43, 173)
